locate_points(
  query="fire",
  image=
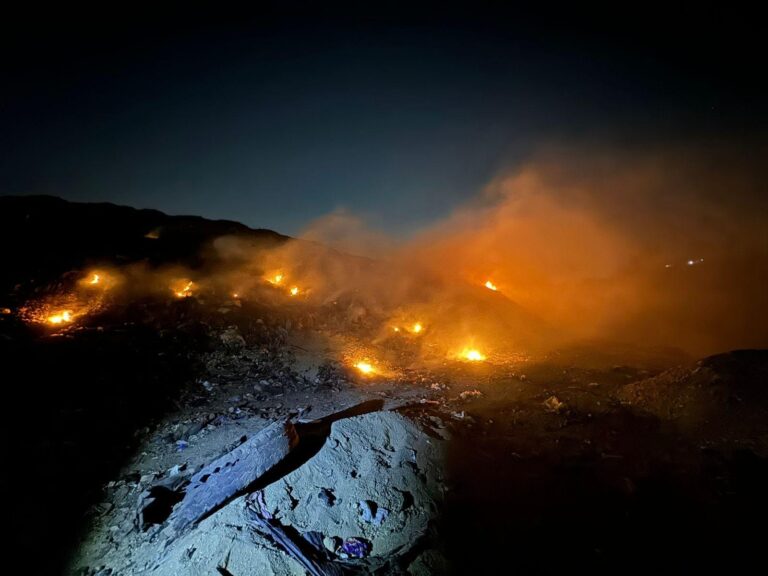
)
(235, 295)
(472, 355)
(365, 367)
(97, 279)
(490, 285)
(276, 279)
(417, 328)
(294, 291)
(185, 292)
(61, 318)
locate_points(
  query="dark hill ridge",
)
(44, 236)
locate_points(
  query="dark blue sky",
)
(274, 119)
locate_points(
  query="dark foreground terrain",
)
(594, 458)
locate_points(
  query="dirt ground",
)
(564, 461)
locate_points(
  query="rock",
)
(331, 543)
(231, 338)
(326, 496)
(429, 562)
(372, 513)
(147, 478)
(554, 405)
(103, 508)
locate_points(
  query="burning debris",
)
(60, 311)
(276, 279)
(365, 368)
(60, 318)
(490, 285)
(183, 289)
(472, 355)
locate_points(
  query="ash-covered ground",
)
(594, 457)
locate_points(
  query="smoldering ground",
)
(652, 247)
(656, 247)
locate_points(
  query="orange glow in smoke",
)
(294, 291)
(472, 355)
(185, 291)
(490, 285)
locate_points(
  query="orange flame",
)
(61, 318)
(490, 285)
(365, 367)
(185, 292)
(472, 355)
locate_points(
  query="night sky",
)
(279, 116)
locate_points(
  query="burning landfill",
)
(255, 404)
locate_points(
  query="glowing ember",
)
(417, 328)
(235, 295)
(276, 279)
(95, 279)
(472, 355)
(365, 367)
(185, 292)
(395, 328)
(61, 318)
(490, 285)
(294, 291)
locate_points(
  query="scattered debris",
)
(554, 405)
(468, 394)
(355, 548)
(229, 476)
(232, 339)
(314, 558)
